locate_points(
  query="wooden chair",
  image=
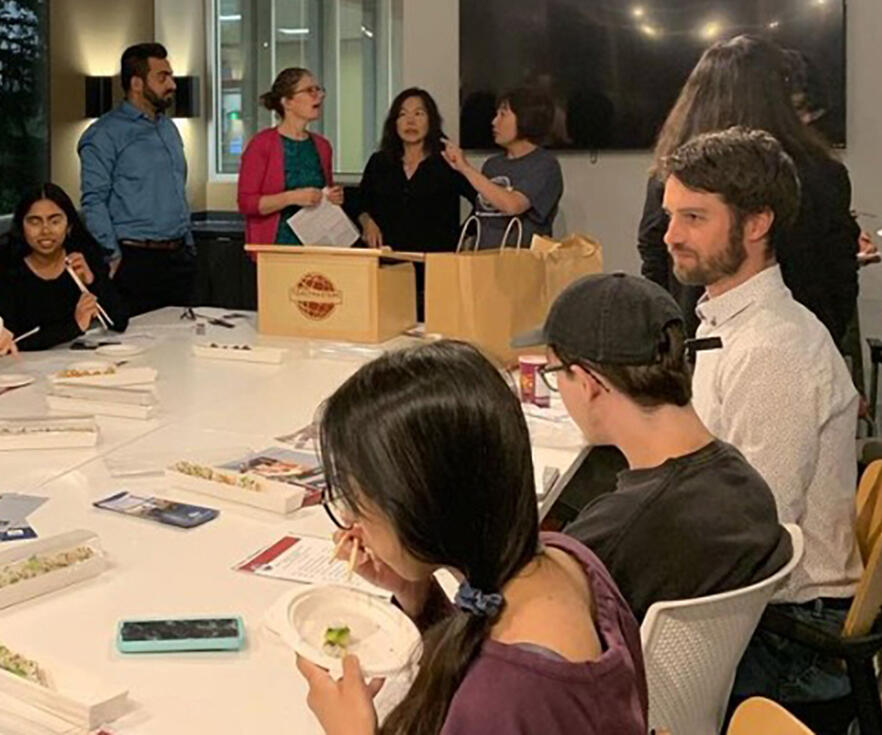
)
(761, 716)
(857, 643)
(869, 509)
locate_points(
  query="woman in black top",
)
(742, 81)
(37, 291)
(409, 195)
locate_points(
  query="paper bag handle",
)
(511, 222)
(464, 230)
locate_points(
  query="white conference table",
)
(155, 570)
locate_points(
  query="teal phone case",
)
(182, 644)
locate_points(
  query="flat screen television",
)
(614, 68)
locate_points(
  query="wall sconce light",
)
(99, 95)
(186, 97)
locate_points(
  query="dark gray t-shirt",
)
(537, 176)
(693, 526)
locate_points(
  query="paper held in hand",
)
(324, 224)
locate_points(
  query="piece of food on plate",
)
(337, 640)
(17, 664)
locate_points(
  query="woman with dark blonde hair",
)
(286, 167)
(743, 81)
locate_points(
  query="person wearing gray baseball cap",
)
(689, 517)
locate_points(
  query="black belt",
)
(154, 244)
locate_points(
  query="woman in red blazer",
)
(286, 167)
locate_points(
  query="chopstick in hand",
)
(26, 334)
(103, 316)
(352, 557)
(353, 554)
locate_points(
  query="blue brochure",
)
(160, 510)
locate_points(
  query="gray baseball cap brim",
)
(607, 318)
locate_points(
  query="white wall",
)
(180, 27)
(864, 154)
(605, 198)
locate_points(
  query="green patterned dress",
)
(302, 169)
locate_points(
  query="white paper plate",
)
(385, 640)
(15, 380)
(119, 350)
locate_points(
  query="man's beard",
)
(160, 104)
(717, 266)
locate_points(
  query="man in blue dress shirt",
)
(133, 180)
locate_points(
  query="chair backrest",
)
(868, 504)
(760, 716)
(868, 597)
(691, 649)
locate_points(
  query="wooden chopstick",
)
(353, 555)
(26, 334)
(83, 289)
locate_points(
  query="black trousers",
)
(150, 279)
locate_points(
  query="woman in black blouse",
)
(409, 195)
(37, 291)
(743, 81)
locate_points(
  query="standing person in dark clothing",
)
(742, 81)
(410, 196)
(689, 517)
(134, 184)
(37, 290)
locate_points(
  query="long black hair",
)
(436, 440)
(79, 238)
(742, 81)
(391, 144)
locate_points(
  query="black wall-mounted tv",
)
(614, 67)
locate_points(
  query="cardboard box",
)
(334, 293)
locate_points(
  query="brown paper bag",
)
(566, 261)
(489, 296)
(484, 297)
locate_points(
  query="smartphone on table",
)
(196, 633)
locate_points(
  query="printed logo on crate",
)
(316, 296)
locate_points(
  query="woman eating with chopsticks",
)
(57, 283)
(428, 462)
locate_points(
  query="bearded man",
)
(778, 390)
(134, 186)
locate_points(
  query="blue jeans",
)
(787, 671)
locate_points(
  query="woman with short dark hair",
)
(525, 181)
(743, 81)
(37, 291)
(539, 639)
(286, 167)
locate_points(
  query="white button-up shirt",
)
(781, 393)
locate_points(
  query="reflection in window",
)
(24, 84)
(346, 44)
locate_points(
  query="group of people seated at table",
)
(745, 207)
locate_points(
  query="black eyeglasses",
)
(337, 510)
(548, 373)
